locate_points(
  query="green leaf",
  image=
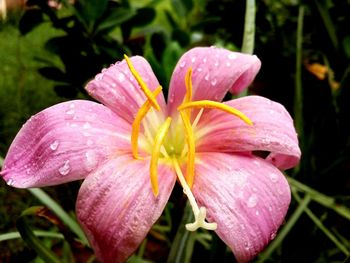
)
(114, 18)
(91, 10)
(182, 239)
(38, 233)
(31, 240)
(170, 57)
(143, 17)
(182, 7)
(59, 211)
(30, 19)
(249, 28)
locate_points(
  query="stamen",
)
(188, 83)
(137, 123)
(148, 93)
(188, 95)
(199, 213)
(191, 149)
(215, 105)
(158, 141)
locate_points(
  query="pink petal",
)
(247, 197)
(64, 143)
(118, 89)
(215, 71)
(116, 206)
(272, 131)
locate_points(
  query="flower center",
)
(178, 146)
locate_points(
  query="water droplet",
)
(199, 69)
(216, 63)
(99, 77)
(89, 142)
(257, 213)
(54, 145)
(206, 77)
(65, 168)
(274, 177)
(273, 235)
(10, 182)
(182, 64)
(242, 226)
(72, 105)
(70, 112)
(193, 59)
(90, 160)
(103, 70)
(86, 125)
(246, 246)
(252, 201)
(232, 56)
(172, 97)
(213, 82)
(270, 208)
(204, 60)
(121, 77)
(228, 64)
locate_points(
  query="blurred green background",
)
(49, 50)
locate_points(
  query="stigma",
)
(178, 149)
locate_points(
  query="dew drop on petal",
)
(213, 82)
(90, 160)
(54, 145)
(121, 77)
(252, 201)
(274, 177)
(182, 64)
(204, 60)
(228, 64)
(10, 182)
(273, 235)
(199, 69)
(89, 142)
(99, 77)
(86, 125)
(206, 77)
(193, 59)
(232, 56)
(65, 168)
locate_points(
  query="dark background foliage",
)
(48, 54)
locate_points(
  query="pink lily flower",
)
(132, 148)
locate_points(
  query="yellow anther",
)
(215, 105)
(148, 93)
(188, 83)
(191, 149)
(137, 123)
(188, 95)
(158, 142)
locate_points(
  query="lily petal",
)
(215, 72)
(116, 206)
(272, 131)
(64, 143)
(118, 89)
(247, 197)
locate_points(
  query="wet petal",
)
(215, 72)
(116, 206)
(272, 131)
(118, 89)
(64, 143)
(247, 197)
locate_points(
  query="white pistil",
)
(199, 213)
